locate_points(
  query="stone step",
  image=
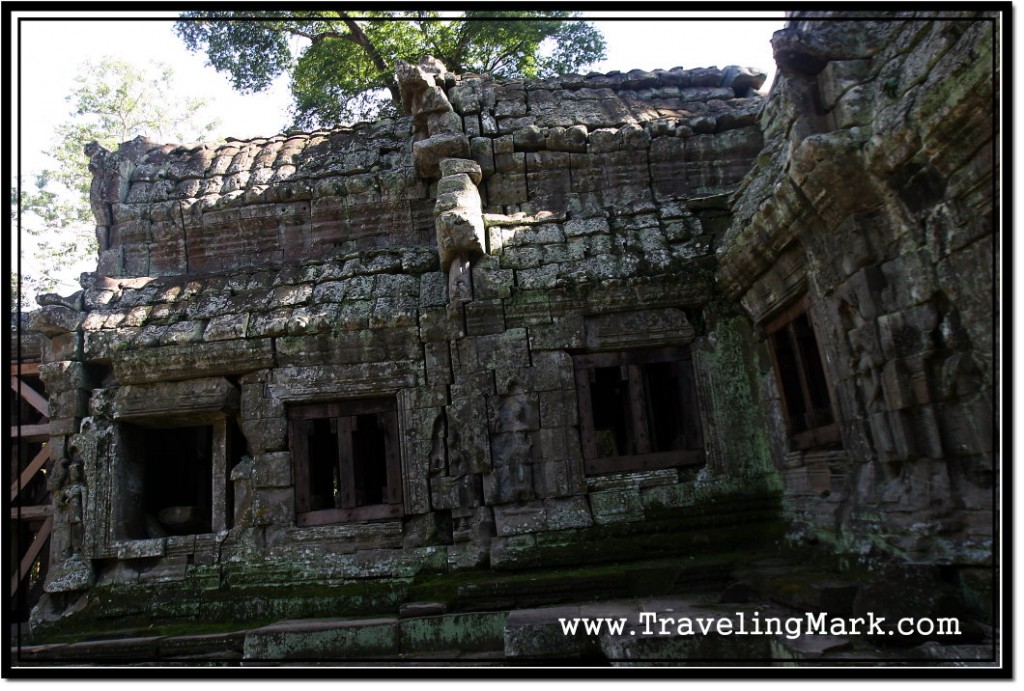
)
(376, 638)
(527, 589)
(669, 631)
(220, 647)
(465, 638)
(653, 633)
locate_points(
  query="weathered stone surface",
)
(428, 153)
(875, 309)
(503, 271)
(53, 320)
(455, 166)
(323, 639)
(176, 400)
(619, 331)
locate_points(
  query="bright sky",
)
(53, 45)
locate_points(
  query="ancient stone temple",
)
(535, 327)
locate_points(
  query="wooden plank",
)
(42, 537)
(631, 357)
(801, 372)
(31, 432)
(346, 462)
(586, 413)
(312, 411)
(219, 470)
(826, 435)
(776, 343)
(25, 369)
(30, 396)
(26, 475)
(366, 406)
(357, 406)
(392, 458)
(375, 512)
(784, 317)
(299, 446)
(638, 409)
(816, 354)
(652, 461)
(692, 431)
(29, 513)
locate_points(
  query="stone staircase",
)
(522, 637)
(519, 620)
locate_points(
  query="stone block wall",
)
(474, 288)
(579, 143)
(195, 209)
(453, 264)
(874, 202)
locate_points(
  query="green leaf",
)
(342, 63)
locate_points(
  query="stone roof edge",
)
(633, 79)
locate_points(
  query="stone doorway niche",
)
(170, 471)
(174, 459)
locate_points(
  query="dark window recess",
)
(806, 398)
(638, 410)
(176, 477)
(178, 473)
(345, 460)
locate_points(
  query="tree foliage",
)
(342, 63)
(111, 102)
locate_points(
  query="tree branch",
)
(359, 37)
(463, 37)
(428, 36)
(316, 38)
(507, 55)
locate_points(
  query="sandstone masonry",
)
(540, 323)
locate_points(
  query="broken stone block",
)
(54, 320)
(456, 166)
(241, 478)
(428, 153)
(743, 80)
(272, 469)
(571, 512)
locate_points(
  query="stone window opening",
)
(345, 459)
(638, 410)
(176, 479)
(804, 388)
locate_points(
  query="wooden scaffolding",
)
(31, 512)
